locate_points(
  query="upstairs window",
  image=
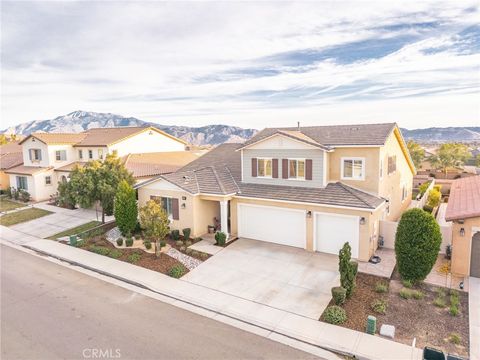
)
(35, 154)
(90, 154)
(353, 169)
(80, 154)
(264, 167)
(61, 155)
(392, 164)
(381, 168)
(296, 169)
(48, 180)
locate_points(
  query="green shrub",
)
(120, 241)
(179, 243)
(440, 292)
(417, 243)
(455, 338)
(195, 253)
(379, 306)
(182, 248)
(348, 269)
(188, 251)
(129, 242)
(434, 197)
(24, 196)
(197, 239)
(175, 235)
(453, 292)
(427, 208)
(339, 294)
(125, 208)
(454, 300)
(405, 293)
(439, 302)
(148, 244)
(188, 243)
(454, 310)
(417, 295)
(138, 237)
(115, 253)
(381, 287)
(102, 250)
(176, 271)
(186, 233)
(407, 283)
(204, 256)
(334, 315)
(220, 238)
(133, 258)
(163, 243)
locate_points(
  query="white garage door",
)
(272, 224)
(332, 231)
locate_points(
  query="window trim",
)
(34, 151)
(304, 169)
(80, 154)
(265, 168)
(342, 168)
(60, 153)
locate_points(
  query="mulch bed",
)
(420, 319)
(162, 264)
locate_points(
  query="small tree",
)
(348, 269)
(434, 197)
(450, 155)
(125, 209)
(417, 153)
(154, 219)
(417, 243)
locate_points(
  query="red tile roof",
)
(464, 200)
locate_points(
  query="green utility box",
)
(371, 325)
(73, 240)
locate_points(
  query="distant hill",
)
(448, 134)
(78, 121)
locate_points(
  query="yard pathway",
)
(474, 314)
(264, 320)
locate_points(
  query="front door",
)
(475, 256)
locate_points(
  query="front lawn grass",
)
(6, 205)
(22, 216)
(75, 230)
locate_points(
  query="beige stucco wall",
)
(205, 211)
(366, 247)
(462, 245)
(371, 156)
(390, 186)
(4, 180)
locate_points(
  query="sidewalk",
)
(474, 314)
(271, 322)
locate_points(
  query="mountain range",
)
(78, 121)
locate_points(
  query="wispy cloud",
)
(247, 64)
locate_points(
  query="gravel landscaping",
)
(413, 318)
(189, 262)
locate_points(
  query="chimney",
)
(298, 125)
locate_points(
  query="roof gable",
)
(285, 140)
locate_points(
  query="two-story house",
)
(308, 187)
(49, 157)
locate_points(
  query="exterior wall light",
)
(362, 221)
(309, 214)
(184, 206)
(462, 232)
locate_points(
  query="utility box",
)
(432, 354)
(73, 240)
(371, 325)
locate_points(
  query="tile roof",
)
(219, 172)
(9, 160)
(56, 138)
(11, 147)
(336, 135)
(27, 170)
(294, 134)
(71, 166)
(157, 163)
(464, 199)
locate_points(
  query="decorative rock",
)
(189, 262)
(387, 331)
(113, 234)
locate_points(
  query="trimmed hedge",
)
(339, 294)
(334, 315)
(417, 243)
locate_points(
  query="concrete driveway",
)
(279, 276)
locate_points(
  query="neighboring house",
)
(49, 157)
(311, 187)
(464, 211)
(10, 157)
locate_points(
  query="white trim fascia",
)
(310, 204)
(242, 164)
(364, 166)
(355, 146)
(221, 195)
(325, 168)
(320, 146)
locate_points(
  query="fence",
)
(423, 200)
(102, 228)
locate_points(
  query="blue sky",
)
(245, 64)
